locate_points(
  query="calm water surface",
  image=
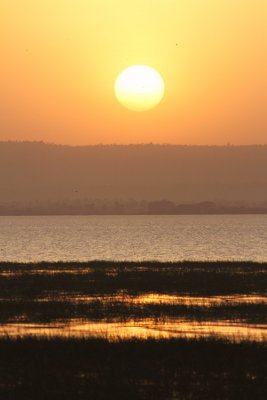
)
(164, 238)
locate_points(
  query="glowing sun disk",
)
(139, 88)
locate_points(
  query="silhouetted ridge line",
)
(38, 178)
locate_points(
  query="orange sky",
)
(60, 58)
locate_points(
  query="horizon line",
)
(227, 145)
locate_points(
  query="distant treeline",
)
(131, 207)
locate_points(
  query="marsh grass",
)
(66, 368)
(56, 368)
(43, 292)
(92, 278)
(52, 311)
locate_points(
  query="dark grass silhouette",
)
(66, 368)
(53, 311)
(43, 292)
(70, 369)
(198, 278)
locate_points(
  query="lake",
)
(160, 237)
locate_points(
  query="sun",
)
(139, 88)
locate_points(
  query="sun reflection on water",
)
(143, 329)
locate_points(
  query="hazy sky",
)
(60, 58)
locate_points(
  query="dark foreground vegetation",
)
(53, 368)
(48, 292)
(71, 369)
(100, 277)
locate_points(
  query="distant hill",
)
(33, 172)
